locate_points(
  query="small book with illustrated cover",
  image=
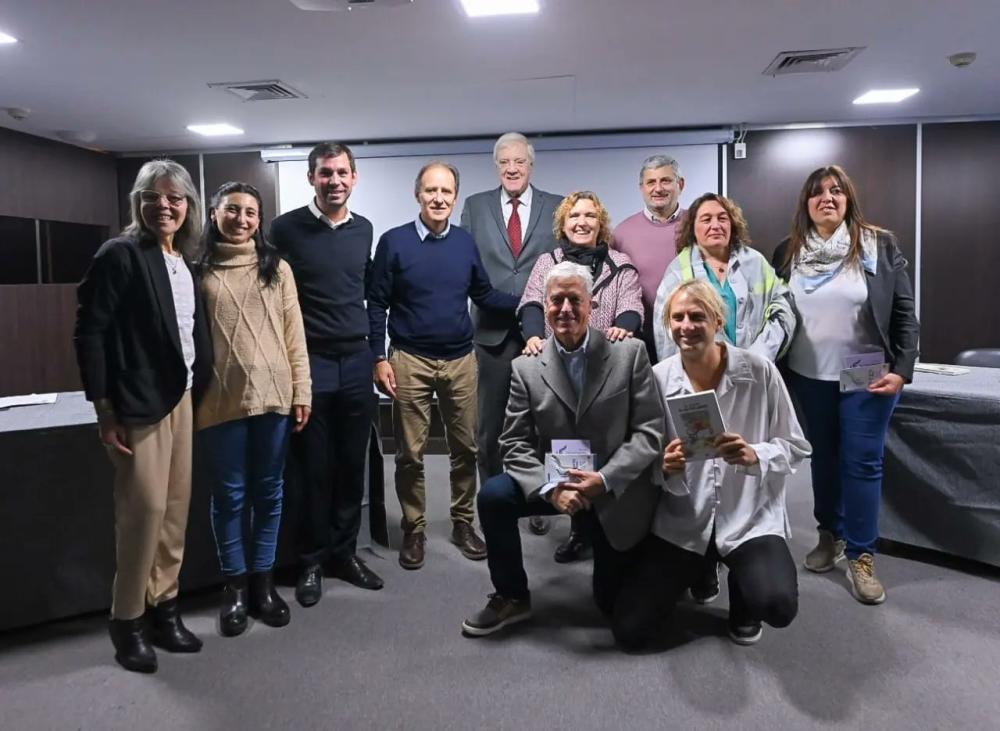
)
(697, 421)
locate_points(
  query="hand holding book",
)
(734, 450)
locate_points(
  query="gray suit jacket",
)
(482, 217)
(620, 411)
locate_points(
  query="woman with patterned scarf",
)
(854, 303)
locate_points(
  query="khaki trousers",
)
(152, 495)
(455, 382)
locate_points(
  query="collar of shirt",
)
(424, 233)
(673, 216)
(575, 362)
(582, 350)
(525, 198)
(325, 219)
(678, 383)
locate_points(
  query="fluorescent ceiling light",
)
(481, 8)
(276, 154)
(4, 38)
(214, 130)
(885, 96)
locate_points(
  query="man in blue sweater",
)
(423, 274)
(328, 248)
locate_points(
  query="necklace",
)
(173, 262)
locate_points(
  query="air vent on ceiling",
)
(259, 91)
(805, 62)
(334, 5)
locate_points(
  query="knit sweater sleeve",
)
(295, 338)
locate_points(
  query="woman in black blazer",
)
(854, 304)
(143, 346)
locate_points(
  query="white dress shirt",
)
(738, 503)
(523, 210)
(326, 219)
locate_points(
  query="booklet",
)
(942, 369)
(858, 379)
(698, 422)
(567, 454)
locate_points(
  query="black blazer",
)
(127, 343)
(890, 302)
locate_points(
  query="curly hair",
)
(739, 232)
(559, 220)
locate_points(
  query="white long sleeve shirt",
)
(740, 503)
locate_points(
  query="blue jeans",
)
(247, 458)
(847, 432)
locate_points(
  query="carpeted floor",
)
(929, 658)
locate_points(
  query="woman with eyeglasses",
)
(145, 353)
(259, 393)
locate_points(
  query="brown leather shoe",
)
(411, 555)
(471, 545)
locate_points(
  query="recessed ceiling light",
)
(885, 96)
(214, 130)
(5, 38)
(481, 8)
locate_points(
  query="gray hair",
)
(435, 164)
(655, 162)
(149, 175)
(512, 138)
(570, 270)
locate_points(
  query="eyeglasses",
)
(174, 200)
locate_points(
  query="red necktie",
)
(514, 228)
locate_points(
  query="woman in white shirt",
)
(730, 508)
(854, 303)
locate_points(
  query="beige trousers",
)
(455, 382)
(152, 495)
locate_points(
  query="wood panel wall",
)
(960, 254)
(880, 160)
(36, 339)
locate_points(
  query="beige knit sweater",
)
(261, 364)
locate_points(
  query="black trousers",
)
(501, 503)
(494, 391)
(331, 454)
(763, 585)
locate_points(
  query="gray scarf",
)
(819, 261)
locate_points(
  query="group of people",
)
(260, 349)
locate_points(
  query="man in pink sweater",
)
(648, 236)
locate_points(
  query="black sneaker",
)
(745, 633)
(706, 588)
(498, 613)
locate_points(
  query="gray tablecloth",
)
(942, 465)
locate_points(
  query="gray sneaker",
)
(497, 614)
(828, 552)
(864, 584)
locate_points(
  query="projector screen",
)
(384, 191)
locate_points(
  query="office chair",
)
(982, 357)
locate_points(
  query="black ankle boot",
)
(233, 614)
(265, 604)
(169, 631)
(132, 651)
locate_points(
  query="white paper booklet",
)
(858, 379)
(698, 422)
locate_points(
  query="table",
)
(56, 515)
(941, 488)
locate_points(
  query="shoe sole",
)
(471, 631)
(469, 554)
(854, 592)
(705, 599)
(746, 641)
(411, 566)
(539, 531)
(824, 569)
(136, 668)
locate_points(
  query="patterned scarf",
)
(819, 261)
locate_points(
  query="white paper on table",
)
(31, 399)
(943, 369)
(697, 420)
(858, 379)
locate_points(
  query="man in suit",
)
(585, 388)
(512, 227)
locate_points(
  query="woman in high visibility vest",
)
(714, 245)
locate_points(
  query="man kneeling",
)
(729, 508)
(602, 396)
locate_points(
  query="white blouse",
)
(739, 503)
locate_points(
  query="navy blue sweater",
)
(330, 266)
(426, 287)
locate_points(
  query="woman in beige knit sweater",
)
(260, 391)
